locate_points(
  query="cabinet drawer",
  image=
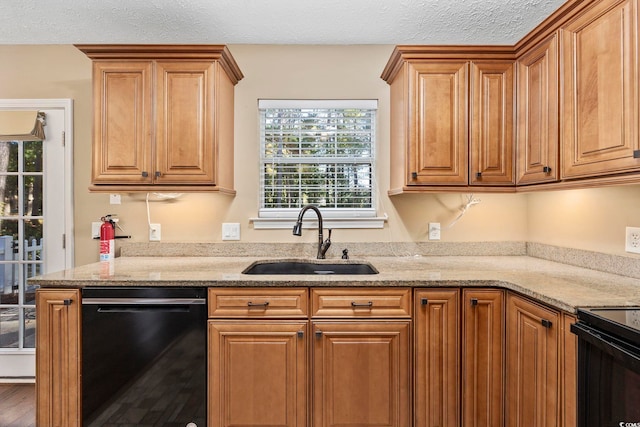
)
(258, 302)
(361, 303)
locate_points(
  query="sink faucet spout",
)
(323, 245)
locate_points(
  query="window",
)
(321, 153)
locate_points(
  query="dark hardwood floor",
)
(17, 405)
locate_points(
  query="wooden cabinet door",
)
(532, 364)
(122, 121)
(361, 374)
(483, 358)
(492, 123)
(437, 358)
(569, 363)
(185, 145)
(599, 106)
(438, 149)
(257, 373)
(538, 135)
(58, 359)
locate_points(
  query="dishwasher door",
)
(144, 356)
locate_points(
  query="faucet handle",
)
(324, 246)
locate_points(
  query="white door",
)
(36, 226)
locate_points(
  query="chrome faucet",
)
(323, 245)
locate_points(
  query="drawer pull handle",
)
(258, 304)
(546, 323)
(362, 305)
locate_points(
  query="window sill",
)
(334, 223)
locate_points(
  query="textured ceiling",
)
(271, 21)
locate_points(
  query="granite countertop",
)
(559, 285)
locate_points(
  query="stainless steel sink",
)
(309, 267)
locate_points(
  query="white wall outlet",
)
(434, 231)
(230, 231)
(95, 230)
(633, 318)
(154, 232)
(632, 240)
(115, 199)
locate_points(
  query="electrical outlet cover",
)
(632, 240)
(95, 230)
(154, 232)
(434, 231)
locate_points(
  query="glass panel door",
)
(21, 239)
(35, 214)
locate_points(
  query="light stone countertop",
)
(559, 285)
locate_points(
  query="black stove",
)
(623, 322)
(608, 366)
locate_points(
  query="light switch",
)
(230, 231)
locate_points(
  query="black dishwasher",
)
(144, 356)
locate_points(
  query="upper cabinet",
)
(559, 109)
(538, 138)
(163, 117)
(491, 154)
(599, 106)
(431, 98)
(452, 118)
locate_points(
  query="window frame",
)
(270, 218)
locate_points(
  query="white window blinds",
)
(318, 152)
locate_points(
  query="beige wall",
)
(304, 72)
(591, 219)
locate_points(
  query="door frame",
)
(24, 359)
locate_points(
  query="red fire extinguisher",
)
(107, 238)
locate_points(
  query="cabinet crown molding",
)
(218, 53)
(405, 53)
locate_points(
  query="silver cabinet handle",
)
(356, 305)
(258, 304)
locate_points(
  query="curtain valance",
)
(21, 125)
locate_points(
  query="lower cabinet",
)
(265, 369)
(437, 357)
(569, 359)
(459, 357)
(58, 359)
(533, 361)
(361, 373)
(257, 373)
(483, 355)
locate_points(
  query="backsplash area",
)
(308, 250)
(622, 265)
